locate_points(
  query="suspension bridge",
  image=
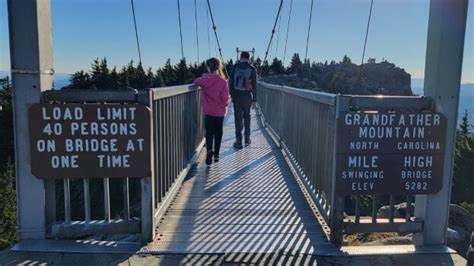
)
(281, 200)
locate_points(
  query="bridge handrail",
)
(164, 92)
(322, 97)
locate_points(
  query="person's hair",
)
(245, 55)
(214, 64)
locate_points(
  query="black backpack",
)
(242, 78)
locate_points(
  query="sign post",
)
(31, 56)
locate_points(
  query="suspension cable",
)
(287, 31)
(367, 31)
(197, 36)
(309, 30)
(278, 34)
(208, 34)
(136, 33)
(273, 30)
(215, 34)
(180, 31)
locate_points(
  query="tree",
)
(277, 68)
(295, 65)
(114, 79)
(80, 80)
(463, 183)
(265, 69)
(183, 76)
(464, 127)
(100, 74)
(346, 60)
(7, 205)
(168, 73)
(158, 80)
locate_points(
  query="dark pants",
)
(213, 127)
(242, 113)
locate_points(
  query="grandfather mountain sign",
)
(390, 152)
(89, 140)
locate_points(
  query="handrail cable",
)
(215, 34)
(367, 31)
(136, 32)
(273, 30)
(309, 30)
(287, 31)
(197, 36)
(180, 30)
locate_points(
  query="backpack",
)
(243, 78)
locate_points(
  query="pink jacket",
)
(215, 94)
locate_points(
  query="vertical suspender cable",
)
(208, 34)
(278, 35)
(273, 30)
(309, 30)
(180, 30)
(197, 36)
(287, 31)
(136, 32)
(367, 32)
(215, 34)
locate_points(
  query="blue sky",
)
(86, 29)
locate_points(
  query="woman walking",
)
(215, 97)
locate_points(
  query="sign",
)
(89, 140)
(390, 152)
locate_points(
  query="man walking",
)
(243, 89)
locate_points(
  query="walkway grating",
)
(249, 202)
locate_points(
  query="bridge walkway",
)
(249, 202)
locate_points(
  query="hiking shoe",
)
(209, 157)
(248, 141)
(216, 158)
(238, 144)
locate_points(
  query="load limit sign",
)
(89, 140)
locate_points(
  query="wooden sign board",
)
(390, 152)
(89, 140)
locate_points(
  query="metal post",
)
(337, 201)
(148, 189)
(444, 53)
(31, 61)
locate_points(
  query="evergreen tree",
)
(138, 77)
(346, 60)
(114, 81)
(265, 69)
(183, 76)
(8, 227)
(295, 65)
(158, 80)
(168, 73)
(100, 76)
(464, 127)
(277, 68)
(80, 80)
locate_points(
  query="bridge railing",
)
(178, 137)
(80, 207)
(303, 122)
(304, 125)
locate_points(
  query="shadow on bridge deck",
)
(247, 204)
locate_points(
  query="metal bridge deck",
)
(249, 202)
